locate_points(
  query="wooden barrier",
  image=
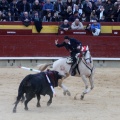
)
(44, 46)
(17, 40)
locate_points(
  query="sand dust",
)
(103, 103)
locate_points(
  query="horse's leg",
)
(86, 86)
(65, 90)
(91, 79)
(50, 100)
(38, 100)
(29, 96)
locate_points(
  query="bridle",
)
(85, 59)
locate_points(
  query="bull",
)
(35, 85)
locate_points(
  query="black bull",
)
(37, 84)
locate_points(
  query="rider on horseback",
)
(73, 46)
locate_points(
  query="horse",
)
(85, 70)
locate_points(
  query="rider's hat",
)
(66, 37)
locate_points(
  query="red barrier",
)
(43, 46)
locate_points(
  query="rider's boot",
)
(73, 68)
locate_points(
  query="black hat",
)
(66, 37)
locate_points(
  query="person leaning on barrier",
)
(95, 28)
(77, 25)
(73, 46)
(65, 25)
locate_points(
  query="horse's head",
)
(86, 54)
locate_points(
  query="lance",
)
(31, 69)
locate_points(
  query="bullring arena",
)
(102, 103)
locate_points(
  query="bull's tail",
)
(45, 66)
(21, 89)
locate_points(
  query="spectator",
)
(55, 17)
(48, 8)
(108, 5)
(76, 8)
(77, 25)
(74, 16)
(37, 6)
(4, 6)
(117, 12)
(118, 18)
(37, 21)
(24, 6)
(101, 12)
(102, 19)
(26, 19)
(48, 17)
(14, 10)
(87, 8)
(59, 8)
(117, 3)
(65, 25)
(9, 17)
(2, 16)
(93, 16)
(83, 17)
(98, 3)
(69, 3)
(68, 12)
(95, 28)
(110, 15)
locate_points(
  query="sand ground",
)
(103, 103)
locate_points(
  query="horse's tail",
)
(45, 66)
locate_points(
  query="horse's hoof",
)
(14, 111)
(64, 93)
(68, 93)
(48, 104)
(82, 96)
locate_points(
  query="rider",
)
(73, 46)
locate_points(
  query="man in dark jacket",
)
(73, 46)
(65, 25)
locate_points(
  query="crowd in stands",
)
(59, 10)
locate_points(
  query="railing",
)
(17, 28)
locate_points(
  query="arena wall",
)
(17, 40)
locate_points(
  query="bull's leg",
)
(29, 96)
(38, 100)
(50, 100)
(22, 99)
(16, 103)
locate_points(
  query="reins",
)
(83, 59)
